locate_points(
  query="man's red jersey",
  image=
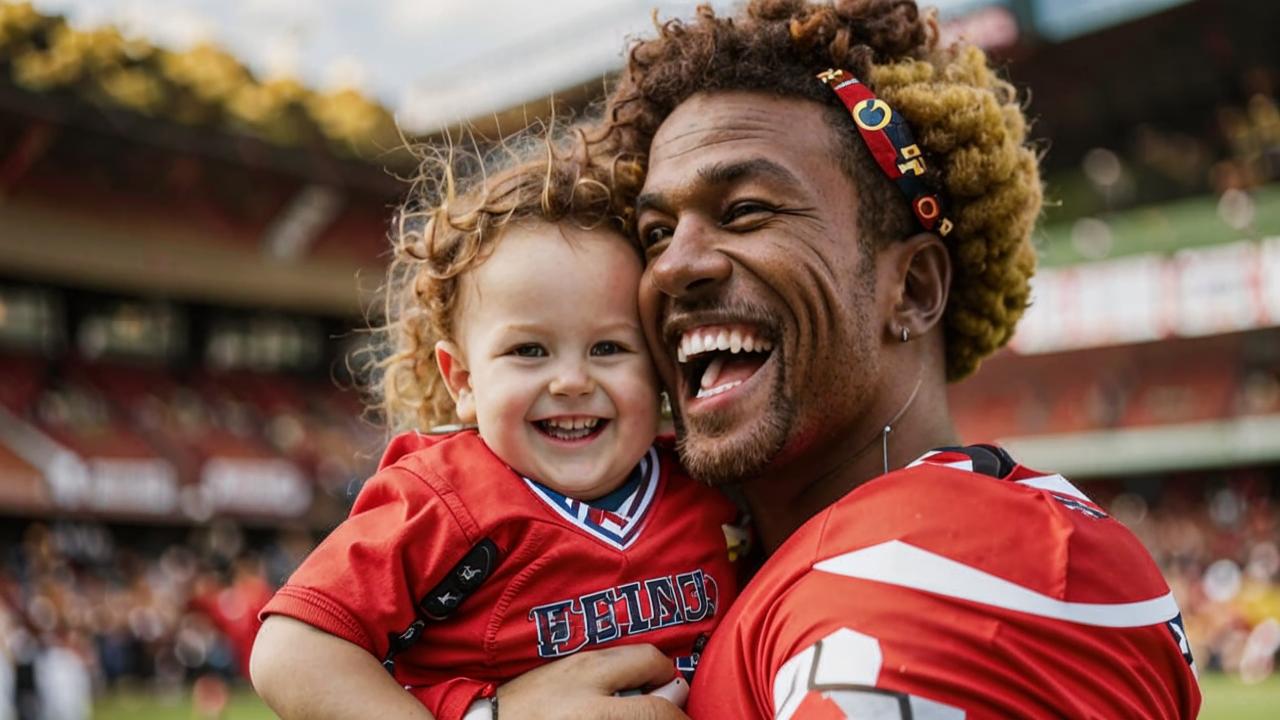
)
(518, 573)
(953, 589)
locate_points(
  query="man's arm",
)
(303, 672)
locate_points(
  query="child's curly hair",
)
(447, 226)
(967, 120)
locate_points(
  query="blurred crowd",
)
(86, 609)
(1218, 545)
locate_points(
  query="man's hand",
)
(582, 686)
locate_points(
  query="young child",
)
(555, 526)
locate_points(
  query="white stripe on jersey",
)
(898, 563)
(1055, 484)
(966, 464)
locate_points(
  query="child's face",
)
(550, 359)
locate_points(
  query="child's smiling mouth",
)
(571, 428)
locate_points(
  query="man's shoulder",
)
(1030, 528)
(942, 554)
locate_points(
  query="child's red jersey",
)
(938, 591)
(567, 576)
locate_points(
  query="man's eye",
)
(607, 347)
(745, 209)
(655, 235)
(528, 350)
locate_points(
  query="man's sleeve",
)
(842, 647)
(363, 582)
(851, 647)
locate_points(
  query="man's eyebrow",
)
(724, 173)
(651, 201)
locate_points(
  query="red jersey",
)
(945, 590)
(514, 573)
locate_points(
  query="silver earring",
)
(905, 334)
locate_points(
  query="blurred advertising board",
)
(1192, 293)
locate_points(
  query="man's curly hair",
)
(452, 219)
(967, 120)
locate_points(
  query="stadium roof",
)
(434, 63)
(202, 86)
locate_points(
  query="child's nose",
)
(572, 379)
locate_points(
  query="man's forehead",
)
(724, 120)
(712, 140)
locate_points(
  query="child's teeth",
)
(571, 427)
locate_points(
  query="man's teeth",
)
(706, 393)
(695, 342)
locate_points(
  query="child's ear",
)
(458, 379)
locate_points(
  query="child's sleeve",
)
(451, 699)
(361, 584)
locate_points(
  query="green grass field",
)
(1226, 698)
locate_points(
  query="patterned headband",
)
(892, 145)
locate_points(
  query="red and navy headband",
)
(892, 145)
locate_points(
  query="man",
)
(825, 182)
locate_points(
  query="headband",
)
(892, 145)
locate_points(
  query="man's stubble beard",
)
(714, 459)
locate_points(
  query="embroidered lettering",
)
(596, 618)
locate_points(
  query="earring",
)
(905, 334)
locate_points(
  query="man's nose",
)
(691, 262)
(572, 378)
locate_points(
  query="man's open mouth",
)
(718, 358)
(571, 428)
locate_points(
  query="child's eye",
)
(528, 350)
(607, 347)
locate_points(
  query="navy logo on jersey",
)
(687, 665)
(1073, 504)
(1179, 633)
(568, 626)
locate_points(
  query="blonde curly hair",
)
(966, 118)
(451, 221)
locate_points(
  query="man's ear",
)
(924, 276)
(457, 378)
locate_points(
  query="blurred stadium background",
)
(190, 239)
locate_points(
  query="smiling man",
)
(837, 217)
